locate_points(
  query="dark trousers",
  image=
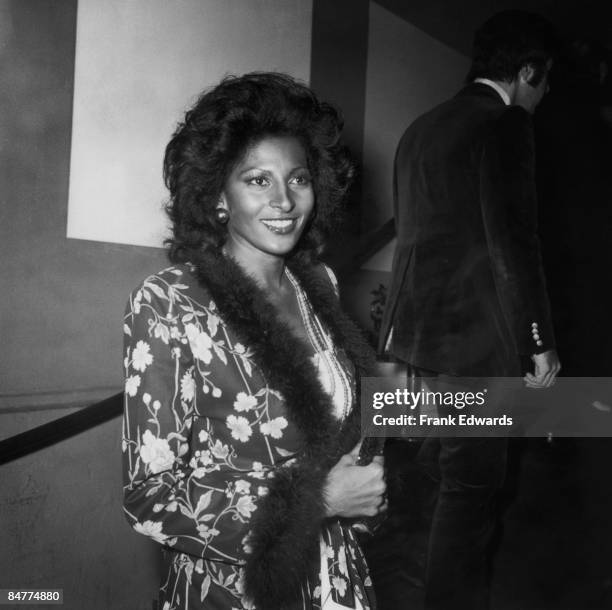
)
(464, 474)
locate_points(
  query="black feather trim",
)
(285, 527)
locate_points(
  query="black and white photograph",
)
(306, 304)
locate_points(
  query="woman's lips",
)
(280, 226)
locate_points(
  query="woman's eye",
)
(302, 180)
(258, 181)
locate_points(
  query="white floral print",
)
(274, 427)
(151, 529)
(188, 386)
(245, 506)
(242, 487)
(241, 430)
(244, 402)
(156, 452)
(131, 385)
(339, 583)
(200, 343)
(141, 358)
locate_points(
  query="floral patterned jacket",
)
(228, 436)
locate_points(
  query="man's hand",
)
(547, 366)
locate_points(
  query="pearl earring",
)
(221, 215)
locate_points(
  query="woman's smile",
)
(281, 226)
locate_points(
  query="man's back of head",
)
(515, 50)
(509, 41)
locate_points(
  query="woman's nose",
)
(281, 198)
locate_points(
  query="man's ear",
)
(527, 74)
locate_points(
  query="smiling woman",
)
(269, 198)
(241, 430)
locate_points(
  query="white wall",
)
(408, 73)
(139, 65)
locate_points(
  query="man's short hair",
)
(510, 40)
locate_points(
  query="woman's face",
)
(269, 197)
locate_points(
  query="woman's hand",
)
(355, 491)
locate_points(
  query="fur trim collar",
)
(285, 528)
(282, 356)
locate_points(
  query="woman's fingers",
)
(352, 490)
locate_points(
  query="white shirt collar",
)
(504, 95)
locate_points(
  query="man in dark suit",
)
(468, 296)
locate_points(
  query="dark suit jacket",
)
(468, 294)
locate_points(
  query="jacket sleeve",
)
(509, 212)
(183, 487)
